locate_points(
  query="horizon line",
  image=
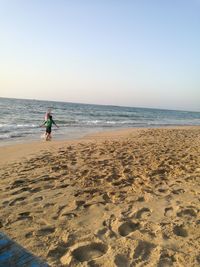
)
(111, 105)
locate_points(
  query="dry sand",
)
(129, 198)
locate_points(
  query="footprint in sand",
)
(48, 186)
(168, 212)
(163, 190)
(38, 198)
(142, 251)
(29, 234)
(45, 231)
(5, 203)
(106, 198)
(63, 186)
(17, 183)
(79, 204)
(166, 260)
(56, 251)
(121, 261)
(127, 228)
(86, 252)
(17, 200)
(47, 205)
(66, 211)
(89, 252)
(187, 213)
(143, 213)
(141, 199)
(101, 232)
(180, 231)
(24, 216)
(70, 215)
(117, 183)
(24, 189)
(178, 191)
(55, 168)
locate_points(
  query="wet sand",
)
(127, 198)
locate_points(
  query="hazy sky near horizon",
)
(143, 53)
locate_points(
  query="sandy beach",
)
(126, 198)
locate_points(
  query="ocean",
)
(20, 119)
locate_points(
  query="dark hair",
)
(50, 117)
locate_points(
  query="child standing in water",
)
(48, 123)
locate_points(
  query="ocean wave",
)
(107, 122)
(11, 135)
(4, 127)
(66, 122)
(5, 136)
(23, 117)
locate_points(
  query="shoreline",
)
(17, 151)
(81, 133)
(121, 198)
(13, 152)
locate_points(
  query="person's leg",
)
(48, 136)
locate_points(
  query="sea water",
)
(20, 119)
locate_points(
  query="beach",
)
(123, 198)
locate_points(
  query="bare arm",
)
(42, 124)
(55, 123)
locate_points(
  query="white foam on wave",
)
(5, 136)
(16, 126)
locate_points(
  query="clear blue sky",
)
(134, 53)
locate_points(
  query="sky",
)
(140, 53)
